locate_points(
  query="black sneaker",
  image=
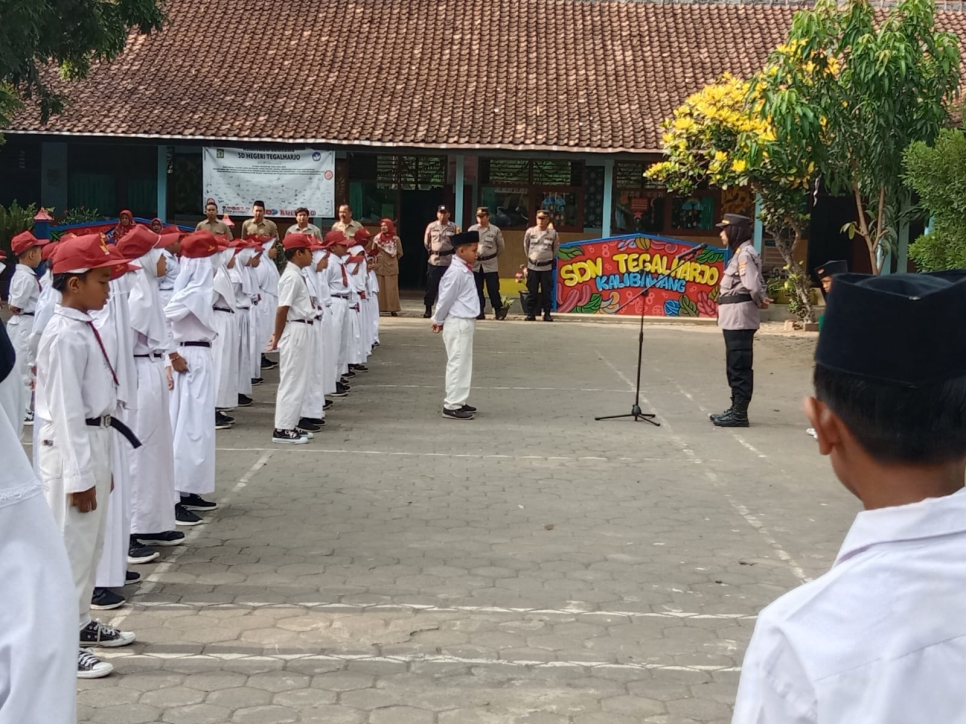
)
(91, 667)
(428, 313)
(481, 316)
(138, 554)
(184, 517)
(349, 375)
(267, 364)
(104, 599)
(165, 539)
(547, 317)
(196, 502)
(340, 390)
(358, 368)
(327, 405)
(530, 318)
(309, 424)
(256, 381)
(288, 437)
(468, 408)
(457, 414)
(99, 634)
(132, 577)
(222, 422)
(245, 401)
(228, 418)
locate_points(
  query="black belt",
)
(156, 355)
(340, 296)
(26, 314)
(447, 252)
(537, 264)
(735, 299)
(487, 257)
(224, 309)
(108, 421)
(302, 321)
(196, 344)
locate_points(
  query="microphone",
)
(691, 252)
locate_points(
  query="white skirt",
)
(266, 317)
(224, 355)
(193, 423)
(356, 353)
(255, 343)
(243, 371)
(152, 470)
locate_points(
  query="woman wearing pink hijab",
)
(389, 251)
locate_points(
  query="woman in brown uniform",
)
(389, 251)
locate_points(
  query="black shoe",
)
(735, 418)
(531, 318)
(547, 317)
(327, 405)
(393, 314)
(132, 577)
(138, 554)
(718, 415)
(165, 539)
(312, 421)
(481, 316)
(256, 381)
(267, 364)
(341, 390)
(428, 313)
(222, 422)
(457, 414)
(245, 401)
(91, 667)
(104, 599)
(225, 417)
(358, 368)
(349, 375)
(196, 502)
(289, 437)
(98, 634)
(184, 517)
(307, 426)
(468, 408)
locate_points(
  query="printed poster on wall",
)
(283, 179)
(601, 275)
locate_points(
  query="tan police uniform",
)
(437, 242)
(266, 228)
(541, 247)
(349, 229)
(487, 267)
(218, 228)
(309, 229)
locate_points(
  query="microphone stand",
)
(636, 412)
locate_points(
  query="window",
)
(515, 189)
(693, 213)
(639, 205)
(375, 182)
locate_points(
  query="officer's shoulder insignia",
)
(742, 265)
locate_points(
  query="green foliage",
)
(79, 215)
(591, 307)
(687, 306)
(14, 219)
(938, 174)
(569, 252)
(70, 36)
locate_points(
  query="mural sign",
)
(601, 275)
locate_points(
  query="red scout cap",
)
(259, 239)
(140, 240)
(362, 235)
(298, 241)
(119, 270)
(83, 253)
(47, 251)
(222, 241)
(199, 244)
(335, 238)
(25, 241)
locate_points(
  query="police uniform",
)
(348, 230)
(487, 267)
(218, 228)
(740, 295)
(541, 247)
(266, 228)
(438, 243)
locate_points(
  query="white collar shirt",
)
(458, 296)
(74, 383)
(293, 292)
(879, 639)
(172, 267)
(24, 289)
(337, 276)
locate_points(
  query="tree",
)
(39, 36)
(850, 90)
(710, 140)
(938, 174)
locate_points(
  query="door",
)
(417, 209)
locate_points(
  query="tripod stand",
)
(635, 412)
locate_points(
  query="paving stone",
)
(197, 714)
(265, 715)
(236, 698)
(401, 715)
(126, 714)
(342, 681)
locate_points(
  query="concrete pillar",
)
(460, 176)
(162, 183)
(608, 210)
(759, 227)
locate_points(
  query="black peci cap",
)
(901, 329)
(467, 237)
(832, 268)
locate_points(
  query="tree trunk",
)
(801, 283)
(863, 227)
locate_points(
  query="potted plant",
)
(505, 304)
(521, 277)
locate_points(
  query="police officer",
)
(487, 267)
(258, 225)
(540, 244)
(440, 250)
(212, 223)
(740, 299)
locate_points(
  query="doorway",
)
(417, 210)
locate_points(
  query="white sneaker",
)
(91, 667)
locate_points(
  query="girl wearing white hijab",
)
(153, 497)
(38, 605)
(225, 348)
(266, 273)
(313, 403)
(255, 342)
(191, 320)
(241, 281)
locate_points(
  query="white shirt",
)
(294, 294)
(337, 276)
(457, 293)
(172, 267)
(74, 383)
(879, 639)
(24, 289)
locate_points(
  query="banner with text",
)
(601, 275)
(284, 180)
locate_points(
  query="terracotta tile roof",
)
(577, 75)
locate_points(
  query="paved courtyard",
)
(532, 566)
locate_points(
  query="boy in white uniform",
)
(225, 348)
(881, 637)
(457, 308)
(241, 280)
(294, 338)
(22, 300)
(340, 292)
(76, 396)
(313, 404)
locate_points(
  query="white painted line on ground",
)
(115, 655)
(525, 389)
(416, 608)
(149, 583)
(475, 456)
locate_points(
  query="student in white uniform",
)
(225, 348)
(22, 300)
(267, 277)
(241, 280)
(48, 300)
(358, 308)
(256, 343)
(76, 396)
(295, 340)
(38, 634)
(313, 404)
(881, 637)
(153, 496)
(371, 253)
(191, 321)
(457, 308)
(172, 267)
(339, 331)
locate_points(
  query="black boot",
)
(714, 416)
(429, 311)
(736, 417)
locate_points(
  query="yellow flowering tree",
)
(719, 137)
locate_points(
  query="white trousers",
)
(458, 338)
(255, 343)
(38, 624)
(83, 532)
(374, 316)
(224, 357)
(243, 371)
(338, 337)
(193, 423)
(18, 329)
(152, 465)
(313, 403)
(356, 353)
(112, 567)
(325, 360)
(295, 352)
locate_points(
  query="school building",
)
(552, 104)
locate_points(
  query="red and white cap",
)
(83, 253)
(24, 241)
(140, 240)
(298, 241)
(199, 244)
